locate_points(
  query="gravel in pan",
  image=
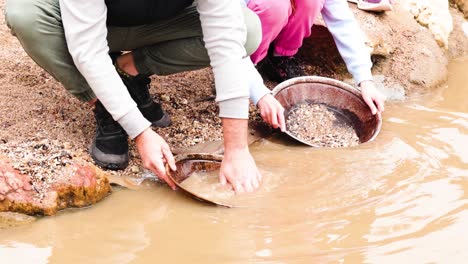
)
(319, 125)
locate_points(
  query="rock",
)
(379, 47)
(68, 145)
(458, 40)
(416, 56)
(433, 14)
(462, 6)
(165, 97)
(402, 50)
(80, 184)
(135, 169)
(9, 220)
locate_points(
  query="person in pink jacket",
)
(286, 23)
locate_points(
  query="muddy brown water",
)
(402, 198)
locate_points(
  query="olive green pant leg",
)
(38, 26)
(169, 46)
(175, 45)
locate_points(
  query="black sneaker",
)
(109, 149)
(281, 68)
(138, 87)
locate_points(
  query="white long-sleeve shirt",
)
(224, 35)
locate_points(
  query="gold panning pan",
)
(194, 170)
(344, 99)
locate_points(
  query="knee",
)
(19, 16)
(254, 31)
(275, 12)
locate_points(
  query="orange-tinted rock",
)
(79, 185)
(462, 6)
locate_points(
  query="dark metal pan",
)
(341, 97)
(187, 165)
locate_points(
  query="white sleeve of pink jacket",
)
(348, 38)
(85, 28)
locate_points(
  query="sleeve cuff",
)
(257, 93)
(361, 76)
(232, 88)
(134, 123)
(234, 108)
(257, 88)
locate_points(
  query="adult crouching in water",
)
(72, 39)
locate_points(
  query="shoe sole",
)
(120, 161)
(164, 121)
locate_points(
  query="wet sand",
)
(399, 199)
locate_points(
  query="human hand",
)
(154, 152)
(239, 169)
(272, 112)
(373, 98)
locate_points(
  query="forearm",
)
(235, 134)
